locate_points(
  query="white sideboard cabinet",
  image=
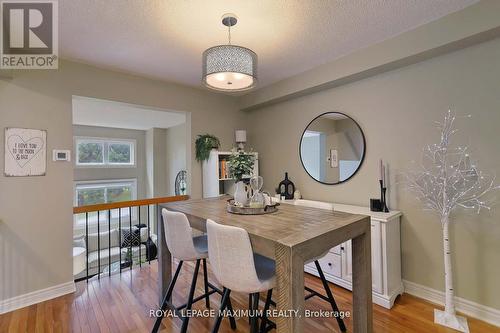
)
(387, 283)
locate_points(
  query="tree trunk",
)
(449, 305)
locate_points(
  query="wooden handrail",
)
(125, 204)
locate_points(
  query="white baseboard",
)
(38, 296)
(472, 309)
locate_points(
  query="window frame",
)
(102, 183)
(106, 142)
(79, 219)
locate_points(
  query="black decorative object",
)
(181, 183)
(376, 205)
(384, 203)
(383, 191)
(151, 249)
(287, 188)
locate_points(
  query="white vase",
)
(240, 194)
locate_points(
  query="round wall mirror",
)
(332, 148)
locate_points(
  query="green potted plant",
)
(204, 144)
(240, 165)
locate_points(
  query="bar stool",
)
(238, 268)
(184, 247)
(329, 295)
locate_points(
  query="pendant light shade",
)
(229, 67)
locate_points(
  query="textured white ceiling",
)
(164, 39)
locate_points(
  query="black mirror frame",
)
(362, 157)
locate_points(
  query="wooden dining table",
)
(291, 236)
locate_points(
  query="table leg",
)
(290, 290)
(362, 283)
(164, 259)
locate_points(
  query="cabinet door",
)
(377, 283)
(346, 253)
(330, 264)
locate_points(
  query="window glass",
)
(117, 194)
(105, 191)
(120, 153)
(104, 152)
(90, 153)
(90, 196)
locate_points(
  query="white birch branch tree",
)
(446, 180)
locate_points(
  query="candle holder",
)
(383, 191)
(384, 202)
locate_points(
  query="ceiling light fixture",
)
(229, 67)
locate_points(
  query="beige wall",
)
(396, 111)
(176, 154)
(156, 154)
(36, 212)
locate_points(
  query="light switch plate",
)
(334, 161)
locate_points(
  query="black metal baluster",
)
(87, 243)
(148, 244)
(120, 236)
(109, 242)
(140, 236)
(98, 247)
(130, 237)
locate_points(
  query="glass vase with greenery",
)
(240, 165)
(204, 144)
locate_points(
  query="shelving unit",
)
(215, 183)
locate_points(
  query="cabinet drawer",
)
(335, 250)
(331, 264)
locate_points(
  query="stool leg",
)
(254, 318)
(223, 305)
(232, 321)
(330, 296)
(205, 281)
(263, 324)
(185, 321)
(249, 308)
(167, 297)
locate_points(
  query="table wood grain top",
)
(290, 225)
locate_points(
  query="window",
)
(97, 192)
(104, 191)
(104, 152)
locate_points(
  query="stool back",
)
(178, 235)
(231, 257)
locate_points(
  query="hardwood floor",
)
(122, 304)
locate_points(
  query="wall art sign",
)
(25, 152)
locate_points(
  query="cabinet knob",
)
(330, 264)
(341, 248)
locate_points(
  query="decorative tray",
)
(245, 210)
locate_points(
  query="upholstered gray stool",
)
(238, 268)
(184, 247)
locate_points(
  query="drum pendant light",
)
(229, 67)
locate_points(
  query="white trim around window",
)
(105, 144)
